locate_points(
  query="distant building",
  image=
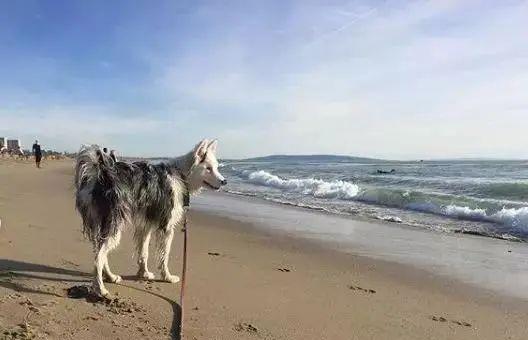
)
(13, 144)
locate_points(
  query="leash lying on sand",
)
(186, 204)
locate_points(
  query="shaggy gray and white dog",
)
(113, 195)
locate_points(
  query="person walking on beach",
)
(38, 153)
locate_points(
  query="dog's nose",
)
(224, 182)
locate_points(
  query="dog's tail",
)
(96, 192)
(90, 161)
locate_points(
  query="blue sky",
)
(391, 79)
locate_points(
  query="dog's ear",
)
(200, 150)
(212, 146)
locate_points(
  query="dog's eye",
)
(209, 169)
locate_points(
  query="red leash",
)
(184, 268)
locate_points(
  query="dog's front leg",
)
(165, 242)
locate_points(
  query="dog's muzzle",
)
(222, 183)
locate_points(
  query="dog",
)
(112, 195)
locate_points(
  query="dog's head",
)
(204, 172)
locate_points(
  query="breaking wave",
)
(309, 186)
(514, 219)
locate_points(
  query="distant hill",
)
(313, 159)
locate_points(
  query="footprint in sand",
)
(442, 319)
(284, 270)
(247, 327)
(213, 254)
(438, 318)
(364, 290)
(36, 226)
(461, 323)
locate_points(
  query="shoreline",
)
(245, 281)
(405, 274)
(481, 262)
(388, 219)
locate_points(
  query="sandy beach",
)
(244, 282)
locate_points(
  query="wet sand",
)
(243, 283)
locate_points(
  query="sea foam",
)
(307, 186)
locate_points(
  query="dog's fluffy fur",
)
(112, 195)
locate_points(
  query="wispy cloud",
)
(349, 17)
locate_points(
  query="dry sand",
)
(243, 284)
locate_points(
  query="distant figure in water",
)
(38, 153)
(386, 172)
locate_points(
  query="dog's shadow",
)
(11, 271)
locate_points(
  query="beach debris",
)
(284, 270)
(365, 290)
(246, 327)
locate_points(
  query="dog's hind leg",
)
(101, 260)
(164, 244)
(113, 242)
(101, 251)
(142, 238)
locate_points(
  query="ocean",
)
(487, 198)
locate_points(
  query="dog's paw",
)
(144, 275)
(101, 291)
(170, 278)
(114, 278)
